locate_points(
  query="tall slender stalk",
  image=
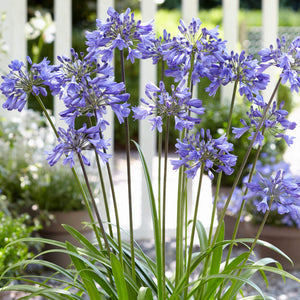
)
(101, 178)
(164, 200)
(219, 178)
(115, 205)
(159, 176)
(238, 176)
(128, 176)
(94, 204)
(188, 268)
(86, 201)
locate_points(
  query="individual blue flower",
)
(201, 148)
(196, 48)
(73, 142)
(275, 123)
(178, 103)
(285, 57)
(19, 82)
(151, 47)
(283, 190)
(120, 31)
(88, 87)
(238, 67)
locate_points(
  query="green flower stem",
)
(46, 114)
(220, 174)
(181, 205)
(260, 229)
(113, 195)
(159, 176)
(128, 177)
(181, 226)
(188, 268)
(94, 205)
(104, 195)
(164, 199)
(101, 178)
(237, 223)
(223, 212)
(86, 201)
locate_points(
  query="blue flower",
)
(239, 67)
(285, 57)
(118, 31)
(202, 44)
(178, 104)
(284, 190)
(87, 88)
(201, 148)
(72, 142)
(19, 83)
(275, 123)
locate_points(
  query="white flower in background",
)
(3, 44)
(41, 25)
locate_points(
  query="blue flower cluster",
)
(86, 85)
(20, 82)
(276, 182)
(275, 123)
(119, 31)
(287, 58)
(201, 148)
(178, 103)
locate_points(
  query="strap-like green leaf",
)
(118, 273)
(156, 225)
(85, 274)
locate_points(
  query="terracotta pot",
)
(244, 230)
(55, 231)
(287, 239)
(5, 295)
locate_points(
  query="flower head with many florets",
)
(275, 124)
(283, 190)
(193, 52)
(118, 31)
(201, 148)
(87, 88)
(19, 83)
(72, 142)
(286, 58)
(178, 103)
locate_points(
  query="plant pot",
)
(55, 231)
(244, 230)
(287, 239)
(5, 295)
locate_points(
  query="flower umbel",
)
(201, 148)
(178, 103)
(118, 31)
(73, 142)
(284, 191)
(19, 83)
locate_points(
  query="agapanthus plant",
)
(109, 268)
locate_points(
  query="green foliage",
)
(27, 182)
(55, 189)
(12, 229)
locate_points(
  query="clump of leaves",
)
(12, 229)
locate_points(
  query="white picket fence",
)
(16, 12)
